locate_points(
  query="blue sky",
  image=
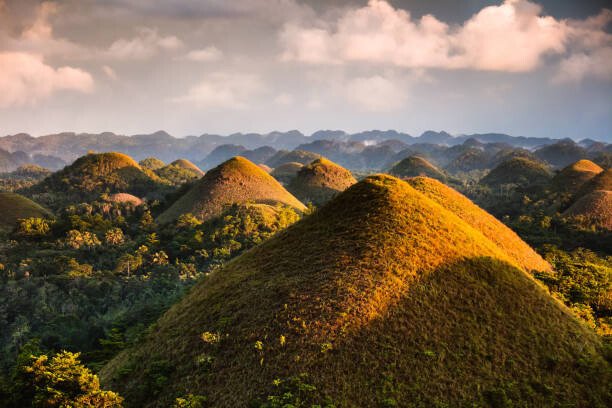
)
(192, 67)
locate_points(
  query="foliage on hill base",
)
(58, 381)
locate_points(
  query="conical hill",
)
(235, 181)
(320, 181)
(380, 298)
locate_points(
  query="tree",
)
(33, 227)
(114, 236)
(59, 381)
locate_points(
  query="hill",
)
(594, 208)
(236, 181)
(286, 172)
(380, 298)
(179, 172)
(95, 174)
(522, 254)
(562, 153)
(124, 198)
(414, 166)
(14, 206)
(299, 156)
(151, 163)
(320, 181)
(571, 178)
(517, 170)
(602, 181)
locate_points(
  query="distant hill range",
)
(363, 150)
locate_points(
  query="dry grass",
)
(383, 296)
(414, 166)
(522, 254)
(14, 206)
(573, 177)
(187, 165)
(593, 209)
(235, 181)
(286, 172)
(124, 198)
(319, 181)
(602, 181)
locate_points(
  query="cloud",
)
(376, 93)
(283, 99)
(511, 37)
(109, 72)
(26, 79)
(222, 90)
(146, 44)
(207, 54)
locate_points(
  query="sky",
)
(190, 67)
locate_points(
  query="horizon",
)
(308, 65)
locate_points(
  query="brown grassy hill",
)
(286, 172)
(602, 181)
(381, 298)
(414, 166)
(187, 165)
(95, 174)
(14, 206)
(124, 198)
(319, 181)
(236, 181)
(594, 208)
(265, 167)
(518, 170)
(478, 218)
(571, 178)
(151, 163)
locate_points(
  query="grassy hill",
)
(124, 198)
(602, 181)
(383, 297)
(236, 181)
(488, 225)
(286, 172)
(594, 208)
(151, 163)
(299, 156)
(414, 166)
(95, 174)
(517, 170)
(14, 206)
(571, 178)
(179, 172)
(320, 181)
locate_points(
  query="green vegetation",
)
(58, 381)
(235, 181)
(179, 172)
(14, 207)
(408, 300)
(518, 170)
(319, 181)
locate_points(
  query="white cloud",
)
(109, 72)
(26, 79)
(512, 37)
(376, 93)
(146, 44)
(221, 90)
(208, 54)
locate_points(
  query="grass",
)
(414, 166)
(286, 172)
(319, 181)
(125, 198)
(571, 178)
(384, 297)
(518, 170)
(594, 208)
(602, 181)
(14, 206)
(187, 165)
(506, 239)
(235, 181)
(299, 156)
